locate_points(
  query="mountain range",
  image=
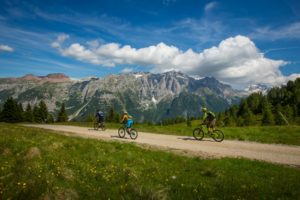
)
(145, 96)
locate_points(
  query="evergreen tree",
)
(36, 114)
(243, 108)
(1, 120)
(11, 112)
(288, 112)
(248, 118)
(268, 117)
(230, 121)
(111, 115)
(254, 101)
(240, 121)
(21, 111)
(280, 119)
(43, 111)
(188, 121)
(62, 115)
(50, 118)
(117, 118)
(28, 114)
(220, 119)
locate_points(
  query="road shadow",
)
(193, 139)
(115, 136)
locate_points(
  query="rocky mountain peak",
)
(54, 78)
(57, 76)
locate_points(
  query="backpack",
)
(210, 116)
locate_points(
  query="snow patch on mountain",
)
(255, 88)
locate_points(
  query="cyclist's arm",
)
(204, 116)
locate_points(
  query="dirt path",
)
(275, 153)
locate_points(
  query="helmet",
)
(125, 112)
(204, 109)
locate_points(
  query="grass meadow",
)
(40, 164)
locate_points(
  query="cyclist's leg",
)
(213, 124)
(209, 126)
(129, 124)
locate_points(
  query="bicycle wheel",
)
(218, 135)
(121, 132)
(198, 133)
(133, 134)
(96, 126)
(102, 126)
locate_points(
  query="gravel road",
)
(274, 153)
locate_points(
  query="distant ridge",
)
(146, 96)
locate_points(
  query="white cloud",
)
(60, 39)
(6, 48)
(127, 70)
(235, 60)
(290, 31)
(209, 6)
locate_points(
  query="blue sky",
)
(238, 42)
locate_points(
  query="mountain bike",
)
(123, 130)
(99, 125)
(199, 132)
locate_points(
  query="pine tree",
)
(111, 115)
(1, 120)
(62, 115)
(268, 118)
(288, 112)
(117, 118)
(243, 108)
(188, 121)
(254, 102)
(43, 110)
(280, 119)
(21, 112)
(50, 118)
(28, 114)
(11, 111)
(36, 114)
(248, 118)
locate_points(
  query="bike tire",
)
(96, 126)
(198, 133)
(218, 135)
(133, 134)
(102, 126)
(121, 132)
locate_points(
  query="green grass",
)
(38, 164)
(265, 134)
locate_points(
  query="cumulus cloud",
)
(235, 60)
(6, 48)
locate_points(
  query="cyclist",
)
(209, 119)
(127, 120)
(100, 117)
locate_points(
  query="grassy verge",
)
(37, 164)
(265, 134)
